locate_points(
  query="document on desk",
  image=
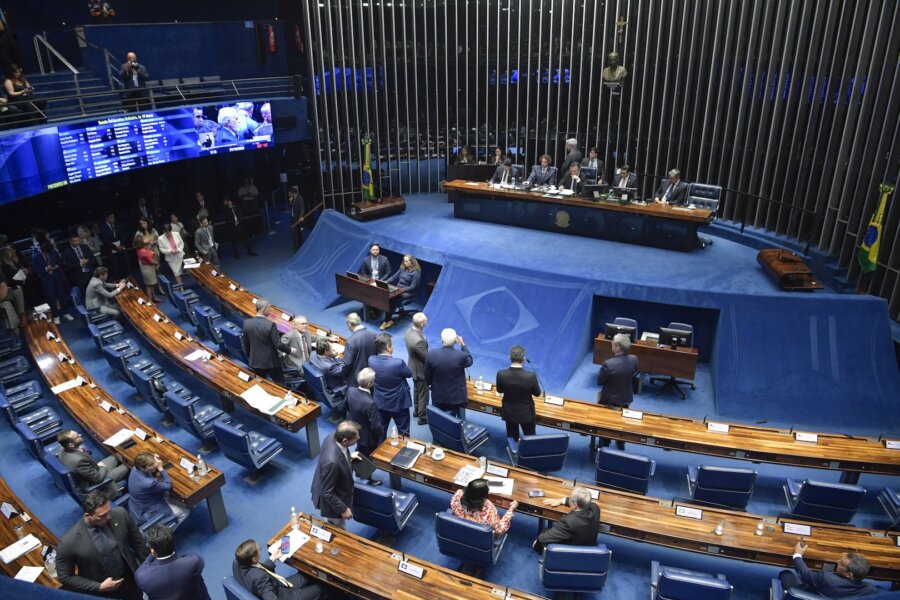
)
(500, 485)
(29, 574)
(262, 401)
(197, 354)
(68, 385)
(297, 537)
(468, 473)
(120, 437)
(19, 548)
(338, 348)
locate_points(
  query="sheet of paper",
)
(297, 537)
(41, 308)
(68, 385)
(188, 265)
(20, 276)
(338, 348)
(505, 488)
(18, 548)
(198, 354)
(29, 574)
(262, 401)
(119, 437)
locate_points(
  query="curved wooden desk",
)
(833, 451)
(220, 374)
(653, 520)
(367, 569)
(34, 527)
(83, 403)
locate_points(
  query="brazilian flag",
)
(868, 250)
(368, 184)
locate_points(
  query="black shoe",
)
(373, 482)
(423, 421)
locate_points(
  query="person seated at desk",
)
(332, 370)
(579, 527)
(473, 505)
(466, 156)
(625, 178)
(73, 455)
(99, 294)
(260, 579)
(573, 180)
(846, 581)
(499, 157)
(148, 484)
(542, 174)
(504, 173)
(672, 191)
(407, 279)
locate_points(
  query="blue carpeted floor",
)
(257, 511)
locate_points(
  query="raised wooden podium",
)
(788, 270)
(367, 210)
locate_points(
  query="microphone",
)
(468, 375)
(540, 383)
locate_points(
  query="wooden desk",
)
(367, 210)
(834, 451)
(367, 569)
(788, 270)
(653, 520)
(370, 295)
(243, 302)
(83, 403)
(34, 527)
(680, 363)
(648, 224)
(220, 373)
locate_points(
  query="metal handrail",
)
(42, 38)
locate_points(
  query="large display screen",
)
(38, 160)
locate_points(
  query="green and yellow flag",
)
(868, 249)
(368, 184)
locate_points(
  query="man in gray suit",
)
(204, 240)
(301, 341)
(88, 472)
(673, 190)
(573, 155)
(99, 294)
(616, 376)
(417, 349)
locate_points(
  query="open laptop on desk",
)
(354, 276)
(383, 285)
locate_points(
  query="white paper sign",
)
(797, 529)
(892, 444)
(157, 318)
(555, 400)
(232, 287)
(411, 569)
(120, 437)
(29, 574)
(595, 494)
(105, 405)
(19, 548)
(321, 333)
(178, 335)
(801, 436)
(243, 376)
(320, 533)
(687, 511)
(498, 471)
(215, 273)
(632, 414)
(186, 464)
(253, 300)
(62, 357)
(50, 335)
(286, 316)
(140, 433)
(7, 509)
(140, 301)
(717, 427)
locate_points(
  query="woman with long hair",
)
(407, 278)
(472, 504)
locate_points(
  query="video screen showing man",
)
(206, 129)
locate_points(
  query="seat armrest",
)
(654, 574)
(97, 486)
(513, 445)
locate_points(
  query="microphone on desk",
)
(540, 383)
(468, 375)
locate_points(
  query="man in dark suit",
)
(89, 472)
(673, 190)
(417, 351)
(518, 387)
(332, 370)
(115, 256)
(167, 576)
(625, 178)
(233, 229)
(262, 342)
(578, 527)
(332, 484)
(360, 346)
(78, 262)
(845, 582)
(361, 410)
(504, 173)
(375, 265)
(391, 392)
(617, 373)
(260, 579)
(134, 78)
(592, 161)
(199, 206)
(573, 155)
(573, 180)
(100, 553)
(445, 372)
(543, 173)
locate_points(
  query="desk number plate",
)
(243, 376)
(555, 400)
(106, 406)
(632, 414)
(797, 529)
(498, 471)
(157, 318)
(178, 336)
(286, 316)
(800, 436)
(411, 569)
(686, 511)
(320, 533)
(140, 433)
(717, 427)
(232, 287)
(892, 445)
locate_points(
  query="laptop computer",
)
(353, 275)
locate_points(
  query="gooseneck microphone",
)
(540, 383)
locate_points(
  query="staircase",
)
(54, 85)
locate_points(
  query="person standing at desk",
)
(673, 190)
(391, 391)
(417, 351)
(573, 180)
(375, 266)
(519, 387)
(166, 575)
(360, 346)
(593, 162)
(261, 343)
(445, 372)
(78, 262)
(616, 376)
(504, 173)
(407, 279)
(332, 484)
(543, 173)
(573, 155)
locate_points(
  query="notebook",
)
(406, 458)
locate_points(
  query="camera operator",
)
(134, 77)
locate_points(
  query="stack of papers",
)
(262, 401)
(505, 487)
(468, 473)
(19, 548)
(29, 574)
(68, 385)
(190, 263)
(197, 354)
(120, 437)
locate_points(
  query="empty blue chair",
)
(170, 288)
(106, 335)
(889, 498)
(249, 449)
(206, 322)
(704, 195)
(466, 540)
(721, 486)
(820, 501)
(624, 471)
(93, 316)
(13, 370)
(628, 322)
(777, 592)
(316, 383)
(36, 447)
(668, 583)
(44, 422)
(64, 478)
(232, 344)
(9, 344)
(234, 590)
(384, 509)
(21, 396)
(184, 301)
(453, 433)
(195, 417)
(544, 453)
(575, 569)
(151, 386)
(118, 355)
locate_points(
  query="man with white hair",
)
(578, 527)
(573, 155)
(301, 340)
(445, 372)
(616, 376)
(228, 126)
(417, 350)
(672, 190)
(361, 409)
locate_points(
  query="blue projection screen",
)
(38, 160)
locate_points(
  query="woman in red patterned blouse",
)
(472, 504)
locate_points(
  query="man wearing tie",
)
(234, 228)
(301, 340)
(503, 174)
(375, 266)
(417, 351)
(573, 180)
(205, 242)
(114, 255)
(593, 162)
(542, 174)
(391, 392)
(625, 178)
(78, 262)
(260, 579)
(673, 190)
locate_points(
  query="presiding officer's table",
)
(84, 403)
(647, 224)
(366, 569)
(33, 526)
(654, 520)
(472, 172)
(680, 363)
(220, 374)
(385, 300)
(833, 451)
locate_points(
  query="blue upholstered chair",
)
(119, 354)
(152, 387)
(43, 422)
(384, 509)
(624, 471)
(13, 370)
(206, 318)
(93, 316)
(668, 583)
(704, 195)
(820, 501)
(628, 322)
(720, 486)
(235, 591)
(249, 449)
(232, 344)
(21, 396)
(575, 569)
(170, 288)
(466, 540)
(195, 417)
(64, 479)
(453, 433)
(106, 335)
(9, 344)
(777, 592)
(36, 447)
(544, 453)
(889, 498)
(183, 302)
(316, 382)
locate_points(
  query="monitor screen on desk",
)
(353, 275)
(623, 194)
(382, 285)
(677, 338)
(612, 329)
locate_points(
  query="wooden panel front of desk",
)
(368, 294)
(470, 172)
(680, 363)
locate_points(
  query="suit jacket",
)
(384, 266)
(99, 293)
(204, 239)
(498, 175)
(261, 343)
(575, 528)
(445, 372)
(417, 350)
(572, 157)
(173, 578)
(166, 248)
(332, 484)
(229, 214)
(128, 79)
(829, 583)
(264, 586)
(586, 162)
(359, 347)
(88, 472)
(539, 177)
(567, 181)
(332, 370)
(679, 193)
(518, 387)
(108, 234)
(77, 551)
(72, 264)
(615, 376)
(293, 339)
(630, 182)
(148, 496)
(361, 408)
(391, 391)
